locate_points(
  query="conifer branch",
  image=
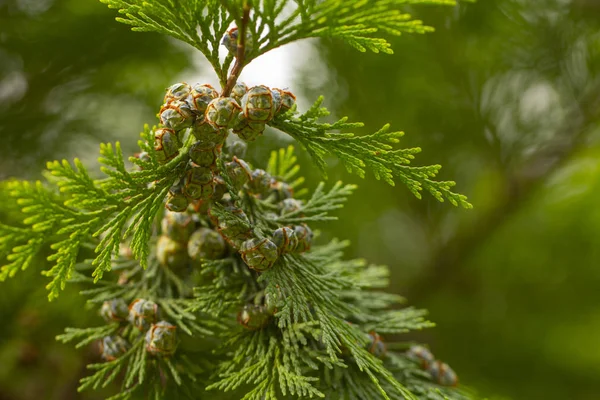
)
(232, 262)
(357, 153)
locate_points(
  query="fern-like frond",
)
(283, 165)
(199, 23)
(272, 23)
(359, 153)
(319, 205)
(105, 212)
(360, 23)
(274, 367)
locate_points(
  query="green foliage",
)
(373, 151)
(313, 314)
(86, 211)
(202, 23)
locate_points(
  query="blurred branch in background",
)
(69, 78)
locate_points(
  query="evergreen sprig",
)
(272, 23)
(84, 211)
(375, 152)
(233, 268)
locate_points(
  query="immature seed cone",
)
(206, 244)
(199, 183)
(177, 226)
(204, 157)
(220, 188)
(161, 339)
(259, 254)
(422, 355)
(257, 104)
(112, 347)
(254, 317)
(177, 115)
(376, 345)
(281, 191)
(442, 374)
(114, 310)
(260, 184)
(179, 91)
(249, 131)
(238, 91)
(143, 313)
(230, 41)
(223, 113)
(290, 205)
(166, 144)
(200, 97)
(206, 133)
(236, 147)
(235, 231)
(304, 235)
(239, 171)
(171, 254)
(176, 199)
(283, 100)
(285, 239)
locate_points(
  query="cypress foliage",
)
(196, 250)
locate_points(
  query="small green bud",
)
(201, 96)
(206, 244)
(176, 115)
(257, 104)
(171, 254)
(114, 310)
(112, 347)
(142, 313)
(176, 199)
(254, 317)
(166, 145)
(199, 183)
(259, 254)
(161, 339)
(222, 113)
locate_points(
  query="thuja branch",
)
(241, 51)
(292, 319)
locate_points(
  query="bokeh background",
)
(505, 95)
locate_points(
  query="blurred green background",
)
(505, 95)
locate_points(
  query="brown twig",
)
(241, 53)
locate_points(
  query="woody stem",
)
(241, 53)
